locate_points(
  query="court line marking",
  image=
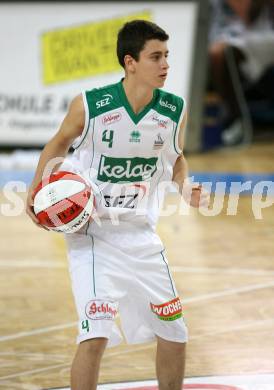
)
(219, 294)
(24, 263)
(194, 299)
(198, 298)
(259, 323)
(37, 331)
(217, 270)
(29, 372)
(24, 373)
(264, 381)
(140, 348)
(36, 355)
(16, 385)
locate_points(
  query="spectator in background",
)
(241, 36)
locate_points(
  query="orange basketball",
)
(63, 202)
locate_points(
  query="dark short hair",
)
(133, 36)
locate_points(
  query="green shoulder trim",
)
(104, 99)
(169, 105)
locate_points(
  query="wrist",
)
(187, 188)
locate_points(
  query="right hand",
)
(30, 211)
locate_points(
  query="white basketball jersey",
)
(129, 156)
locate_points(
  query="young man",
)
(129, 138)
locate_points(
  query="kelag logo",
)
(135, 169)
(167, 105)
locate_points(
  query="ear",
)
(129, 63)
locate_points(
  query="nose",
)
(165, 64)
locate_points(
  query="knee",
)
(171, 346)
(94, 346)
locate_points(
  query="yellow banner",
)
(87, 50)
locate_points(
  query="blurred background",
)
(222, 61)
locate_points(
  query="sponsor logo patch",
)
(159, 142)
(135, 136)
(131, 169)
(111, 118)
(104, 102)
(168, 311)
(161, 122)
(99, 309)
(167, 105)
(128, 199)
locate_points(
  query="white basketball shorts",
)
(121, 272)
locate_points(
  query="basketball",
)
(63, 202)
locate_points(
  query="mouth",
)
(163, 76)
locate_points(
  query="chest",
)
(115, 133)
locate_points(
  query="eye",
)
(156, 58)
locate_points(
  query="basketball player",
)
(129, 137)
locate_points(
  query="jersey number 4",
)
(108, 137)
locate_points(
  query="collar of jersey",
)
(135, 117)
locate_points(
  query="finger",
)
(33, 218)
(38, 224)
(31, 194)
(197, 188)
(204, 202)
(42, 227)
(31, 214)
(30, 211)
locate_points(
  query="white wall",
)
(39, 108)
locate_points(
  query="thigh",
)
(162, 304)
(155, 279)
(98, 285)
(155, 308)
(97, 268)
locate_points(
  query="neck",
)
(138, 95)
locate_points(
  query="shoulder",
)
(76, 107)
(171, 97)
(170, 104)
(103, 99)
(101, 91)
(77, 103)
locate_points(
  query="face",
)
(152, 67)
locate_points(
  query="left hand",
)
(196, 196)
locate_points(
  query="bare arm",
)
(71, 127)
(180, 169)
(194, 195)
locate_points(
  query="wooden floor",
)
(223, 267)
